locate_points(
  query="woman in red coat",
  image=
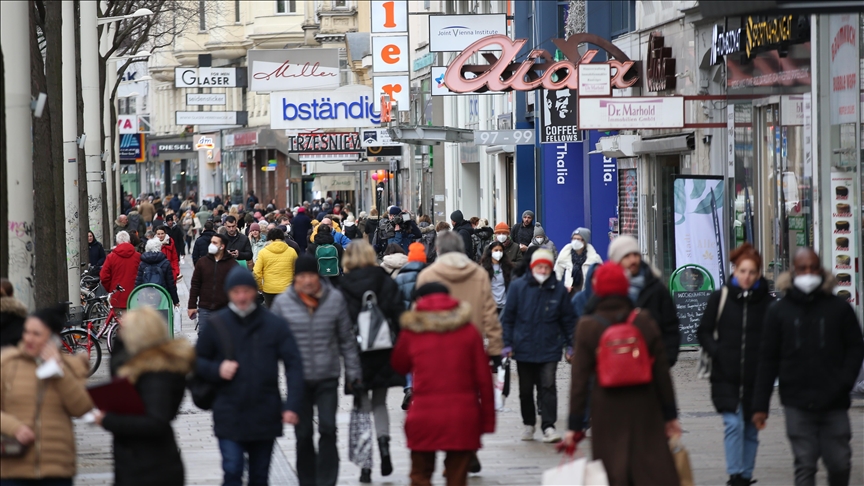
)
(453, 402)
(169, 250)
(120, 268)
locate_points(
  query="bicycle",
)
(75, 339)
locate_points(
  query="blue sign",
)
(132, 147)
(602, 194)
(563, 191)
(324, 109)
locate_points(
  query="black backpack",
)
(152, 275)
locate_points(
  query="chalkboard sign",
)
(690, 307)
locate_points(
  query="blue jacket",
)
(407, 280)
(537, 319)
(581, 297)
(341, 239)
(249, 407)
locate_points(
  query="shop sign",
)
(390, 54)
(453, 33)
(205, 77)
(127, 124)
(396, 87)
(389, 16)
(293, 69)
(330, 183)
(132, 147)
(205, 99)
(307, 143)
(379, 137)
(844, 66)
(792, 110)
(594, 80)
(504, 74)
(724, 43)
(242, 138)
(350, 106)
(563, 189)
(210, 117)
(204, 142)
(843, 243)
(631, 113)
(661, 65)
(424, 61)
(559, 119)
(209, 149)
(766, 33)
(174, 147)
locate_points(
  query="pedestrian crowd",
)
(385, 301)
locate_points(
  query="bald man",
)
(811, 341)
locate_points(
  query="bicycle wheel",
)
(96, 312)
(111, 335)
(76, 340)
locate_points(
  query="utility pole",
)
(92, 121)
(15, 41)
(70, 153)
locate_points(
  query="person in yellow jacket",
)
(274, 268)
(327, 222)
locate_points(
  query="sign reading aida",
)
(349, 106)
(504, 74)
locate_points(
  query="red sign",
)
(246, 138)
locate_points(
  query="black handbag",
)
(202, 390)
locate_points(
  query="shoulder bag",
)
(704, 370)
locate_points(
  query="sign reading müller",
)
(293, 69)
(631, 113)
(329, 143)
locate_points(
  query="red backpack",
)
(622, 355)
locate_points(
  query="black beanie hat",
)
(239, 276)
(53, 317)
(457, 216)
(428, 289)
(305, 263)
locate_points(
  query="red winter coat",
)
(453, 402)
(120, 268)
(170, 252)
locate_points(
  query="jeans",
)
(455, 464)
(378, 406)
(740, 440)
(409, 381)
(269, 298)
(203, 315)
(233, 460)
(820, 434)
(319, 468)
(542, 377)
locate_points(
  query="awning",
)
(428, 135)
(616, 146)
(327, 183)
(366, 166)
(499, 149)
(665, 145)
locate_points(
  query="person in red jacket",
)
(169, 250)
(120, 268)
(453, 402)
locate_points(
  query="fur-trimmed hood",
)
(11, 305)
(784, 282)
(175, 356)
(436, 321)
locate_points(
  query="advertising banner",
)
(699, 224)
(842, 235)
(631, 113)
(453, 33)
(132, 147)
(563, 191)
(559, 118)
(293, 69)
(603, 183)
(844, 68)
(127, 124)
(346, 107)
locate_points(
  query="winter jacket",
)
(537, 319)
(240, 243)
(512, 250)
(120, 268)
(179, 239)
(547, 244)
(274, 269)
(201, 244)
(469, 283)
(13, 313)
(145, 451)
(257, 245)
(564, 264)
(521, 234)
(160, 263)
(375, 364)
(203, 215)
(170, 252)
(137, 223)
(147, 211)
(481, 238)
(464, 229)
(323, 335)
(408, 233)
(580, 300)
(333, 231)
(325, 240)
(207, 288)
(452, 402)
(627, 423)
(407, 281)
(120, 227)
(371, 227)
(428, 235)
(352, 232)
(393, 263)
(300, 225)
(249, 407)
(733, 369)
(813, 344)
(53, 453)
(96, 254)
(655, 297)
(174, 204)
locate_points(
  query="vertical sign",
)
(698, 209)
(730, 140)
(563, 188)
(842, 237)
(390, 52)
(389, 17)
(808, 143)
(603, 182)
(844, 65)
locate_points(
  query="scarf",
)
(637, 283)
(310, 301)
(578, 259)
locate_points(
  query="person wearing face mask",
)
(511, 248)
(731, 332)
(206, 293)
(537, 318)
(540, 240)
(497, 264)
(575, 259)
(812, 342)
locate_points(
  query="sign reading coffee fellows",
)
(842, 237)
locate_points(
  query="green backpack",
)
(328, 260)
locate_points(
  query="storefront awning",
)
(327, 183)
(428, 135)
(616, 146)
(665, 145)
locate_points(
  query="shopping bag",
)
(502, 383)
(178, 320)
(568, 474)
(595, 474)
(360, 438)
(682, 461)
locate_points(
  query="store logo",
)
(724, 43)
(767, 33)
(661, 65)
(457, 30)
(440, 81)
(560, 164)
(204, 143)
(129, 142)
(323, 109)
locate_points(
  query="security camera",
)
(38, 105)
(81, 140)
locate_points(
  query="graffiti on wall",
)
(72, 251)
(22, 260)
(94, 208)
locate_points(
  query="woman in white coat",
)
(575, 259)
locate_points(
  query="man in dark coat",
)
(537, 318)
(208, 279)
(648, 292)
(248, 413)
(812, 341)
(154, 262)
(252, 200)
(300, 226)
(523, 233)
(405, 230)
(177, 235)
(238, 244)
(200, 248)
(463, 229)
(175, 203)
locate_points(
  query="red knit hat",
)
(609, 279)
(502, 228)
(416, 252)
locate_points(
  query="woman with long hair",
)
(498, 265)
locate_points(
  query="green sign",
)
(691, 286)
(157, 297)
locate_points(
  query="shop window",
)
(202, 15)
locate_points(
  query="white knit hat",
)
(621, 247)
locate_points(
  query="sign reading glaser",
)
(631, 113)
(351, 106)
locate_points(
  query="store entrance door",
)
(661, 205)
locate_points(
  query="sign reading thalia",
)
(631, 113)
(349, 106)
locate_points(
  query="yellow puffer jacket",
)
(274, 268)
(315, 230)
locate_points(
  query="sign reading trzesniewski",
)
(311, 143)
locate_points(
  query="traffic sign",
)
(504, 137)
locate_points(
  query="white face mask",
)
(577, 244)
(540, 277)
(539, 241)
(242, 313)
(288, 228)
(213, 249)
(501, 238)
(497, 255)
(807, 283)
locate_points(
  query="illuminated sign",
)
(724, 43)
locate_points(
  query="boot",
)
(406, 401)
(734, 480)
(474, 466)
(365, 475)
(384, 448)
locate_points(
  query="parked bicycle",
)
(85, 339)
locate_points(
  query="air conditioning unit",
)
(616, 146)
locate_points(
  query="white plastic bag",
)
(580, 472)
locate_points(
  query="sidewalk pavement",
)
(505, 458)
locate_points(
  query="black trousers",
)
(542, 377)
(321, 467)
(820, 434)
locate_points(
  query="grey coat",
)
(323, 335)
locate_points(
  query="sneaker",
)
(550, 436)
(528, 433)
(182, 260)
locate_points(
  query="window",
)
(237, 11)
(622, 17)
(340, 4)
(426, 4)
(202, 19)
(286, 6)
